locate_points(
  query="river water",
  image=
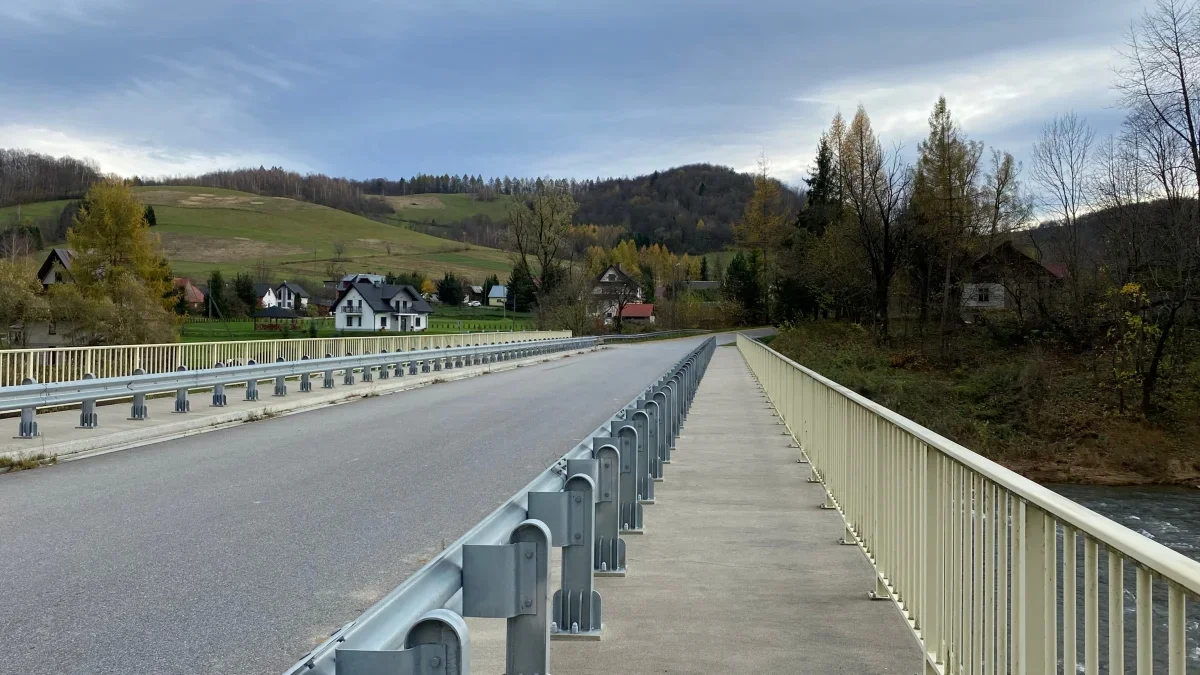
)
(1170, 516)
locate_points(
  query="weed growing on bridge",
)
(14, 464)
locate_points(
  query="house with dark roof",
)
(368, 306)
(292, 296)
(265, 293)
(56, 269)
(612, 290)
(1006, 278)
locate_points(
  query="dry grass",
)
(26, 462)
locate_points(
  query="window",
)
(383, 323)
(984, 293)
(57, 277)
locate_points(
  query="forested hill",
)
(689, 208)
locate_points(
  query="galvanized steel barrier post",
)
(88, 419)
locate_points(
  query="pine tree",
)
(522, 294)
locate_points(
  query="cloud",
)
(49, 14)
(125, 158)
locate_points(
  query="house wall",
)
(495, 302)
(995, 293)
(55, 274)
(369, 322)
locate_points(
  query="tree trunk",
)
(1150, 381)
(945, 305)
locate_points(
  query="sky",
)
(369, 88)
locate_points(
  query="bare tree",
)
(339, 250)
(876, 185)
(538, 227)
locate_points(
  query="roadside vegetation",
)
(1042, 409)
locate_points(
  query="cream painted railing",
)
(978, 558)
(61, 364)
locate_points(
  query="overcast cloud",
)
(535, 87)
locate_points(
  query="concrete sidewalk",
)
(59, 436)
(739, 571)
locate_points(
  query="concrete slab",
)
(740, 573)
(61, 437)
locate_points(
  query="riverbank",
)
(1044, 412)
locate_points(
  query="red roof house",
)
(638, 312)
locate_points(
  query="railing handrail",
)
(268, 341)
(1163, 560)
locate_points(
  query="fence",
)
(61, 364)
(29, 397)
(500, 568)
(985, 565)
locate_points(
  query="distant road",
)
(237, 550)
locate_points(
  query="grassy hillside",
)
(443, 208)
(205, 228)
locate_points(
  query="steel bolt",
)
(528, 602)
(528, 554)
(605, 494)
(435, 662)
(578, 499)
(578, 535)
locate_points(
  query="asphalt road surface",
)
(238, 550)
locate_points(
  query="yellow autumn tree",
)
(428, 287)
(626, 255)
(121, 277)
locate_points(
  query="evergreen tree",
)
(704, 268)
(522, 294)
(243, 288)
(450, 290)
(151, 219)
(743, 285)
(216, 293)
(491, 280)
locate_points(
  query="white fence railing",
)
(61, 364)
(989, 568)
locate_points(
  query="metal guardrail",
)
(984, 564)
(633, 337)
(500, 568)
(63, 364)
(88, 390)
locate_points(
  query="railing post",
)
(306, 377)
(512, 582)
(610, 548)
(328, 380)
(577, 606)
(664, 442)
(138, 410)
(367, 375)
(348, 372)
(29, 426)
(280, 381)
(630, 507)
(251, 384)
(383, 367)
(218, 397)
(645, 482)
(88, 419)
(182, 404)
(437, 644)
(653, 460)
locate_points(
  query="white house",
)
(369, 306)
(266, 295)
(292, 296)
(612, 291)
(57, 267)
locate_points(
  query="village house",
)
(292, 296)
(612, 291)
(265, 295)
(368, 306)
(497, 295)
(1006, 279)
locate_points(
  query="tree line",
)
(27, 177)
(1115, 271)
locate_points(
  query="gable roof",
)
(379, 298)
(260, 290)
(622, 277)
(295, 288)
(191, 294)
(498, 291)
(60, 255)
(637, 311)
(1007, 256)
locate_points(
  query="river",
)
(1170, 516)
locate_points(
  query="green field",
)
(443, 208)
(203, 229)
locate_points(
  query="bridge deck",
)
(739, 571)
